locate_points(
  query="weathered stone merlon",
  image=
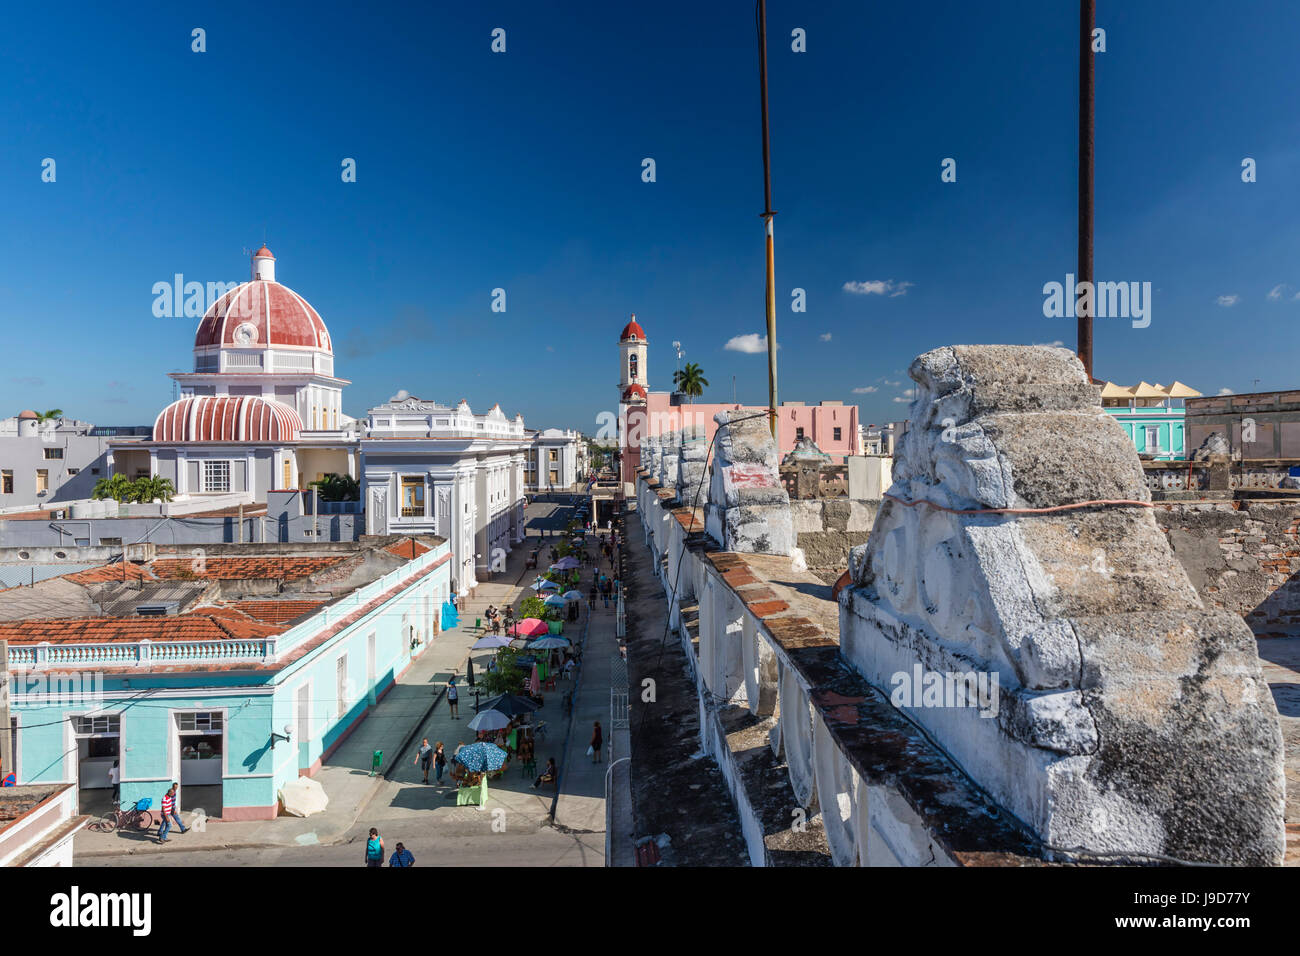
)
(1130, 721)
(748, 509)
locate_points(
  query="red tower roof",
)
(632, 330)
(263, 252)
(634, 391)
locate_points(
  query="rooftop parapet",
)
(1016, 549)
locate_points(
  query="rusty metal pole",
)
(768, 213)
(1087, 111)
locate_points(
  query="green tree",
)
(335, 487)
(690, 381)
(51, 415)
(145, 490)
(118, 487)
(532, 607)
(507, 678)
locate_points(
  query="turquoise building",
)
(243, 694)
(1152, 416)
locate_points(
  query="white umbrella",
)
(303, 796)
(489, 720)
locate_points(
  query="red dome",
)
(632, 331)
(259, 314)
(244, 418)
(634, 391)
(263, 252)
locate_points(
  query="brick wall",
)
(1242, 556)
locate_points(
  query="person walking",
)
(453, 698)
(115, 778)
(375, 849)
(424, 757)
(591, 598)
(170, 814)
(401, 857)
(439, 763)
(597, 739)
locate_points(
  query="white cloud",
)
(825, 336)
(1226, 391)
(895, 384)
(907, 396)
(751, 344)
(865, 390)
(878, 287)
(1227, 300)
(1058, 344)
(1275, 293)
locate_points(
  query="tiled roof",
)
(215, 624)
(410, 549)
(286, 568)
(276, 612)
(111, 572)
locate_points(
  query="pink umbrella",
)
(534, 685)
(529, 627)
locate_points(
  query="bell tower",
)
(632, 347)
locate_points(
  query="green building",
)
(1152, 415)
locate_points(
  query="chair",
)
(528, 768)
(550, 682)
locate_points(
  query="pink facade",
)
(834, 427)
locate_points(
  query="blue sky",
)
(522, 171)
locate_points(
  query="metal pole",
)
(6, 742)
(767, 215)
(1087, 111)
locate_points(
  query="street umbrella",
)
(541, 584)
(548, 642)
(511, 705)
(534, 684)
(554, 601)
(480, 757)
(489, 720)
(490, 642)
(573, 595)
(530, 626)
(566, 564)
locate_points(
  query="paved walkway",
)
(514, 829)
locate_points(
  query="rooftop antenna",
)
(677, 347)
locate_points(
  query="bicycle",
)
(137, 817)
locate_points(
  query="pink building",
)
(831, 424)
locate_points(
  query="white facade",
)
(557, 460)
(436, 469)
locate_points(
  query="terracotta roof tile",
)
(95, 630)
(111, 572)
(410, 549)
(276, 612)
(287, 568)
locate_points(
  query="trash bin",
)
(376, 762)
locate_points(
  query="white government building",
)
(263, 411)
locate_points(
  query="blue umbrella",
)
(541, 585)
(548, 642)
(481, 756)
(554, 601)
(573, 595)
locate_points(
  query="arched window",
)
(631, 367)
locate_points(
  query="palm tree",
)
(690, 381)
(49, 416)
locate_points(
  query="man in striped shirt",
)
(169, 813)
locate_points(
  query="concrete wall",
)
(1242, 557)
(94, 531)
